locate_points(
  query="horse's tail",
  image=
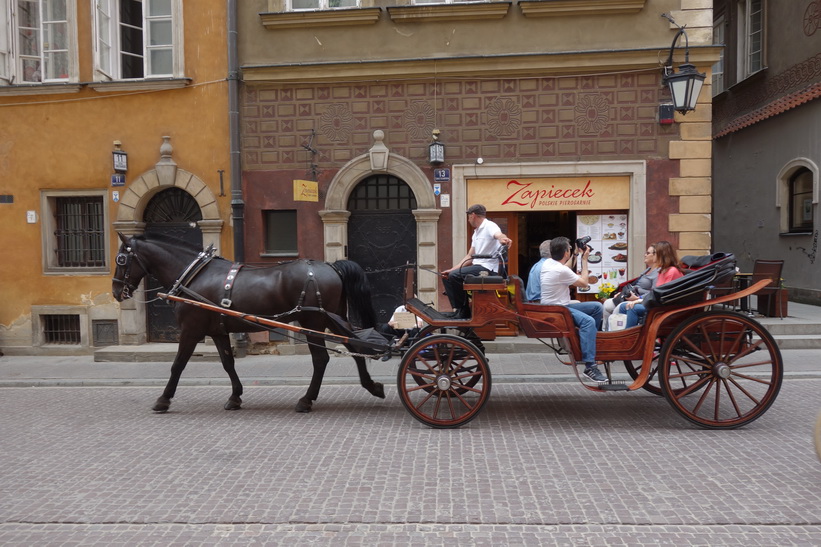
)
(358, 293)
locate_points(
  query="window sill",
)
(139, 85)
(791, 234)
(460, 11)
(77, 271)
(39, 89)
(320, 18)
(561, 8)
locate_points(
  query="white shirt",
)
(556, 279)
(484, 243)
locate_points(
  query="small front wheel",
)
(444, 381)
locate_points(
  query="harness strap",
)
(308, 280)
(228, 286)
(200, 262)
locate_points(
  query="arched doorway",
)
(172, 212)
(382, 237)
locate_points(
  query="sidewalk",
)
(511, 360)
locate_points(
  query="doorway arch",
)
(335, 215)
(130, 221)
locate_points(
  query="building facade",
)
(79, 81)
(767, 143)
(549, 112)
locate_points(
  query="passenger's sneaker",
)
(595, 374)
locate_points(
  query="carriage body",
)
(719, 369)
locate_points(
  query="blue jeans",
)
(588, 317)
(634, 314)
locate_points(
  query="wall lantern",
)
(120, 158)
(436, 150)
(685, 85)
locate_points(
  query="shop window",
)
(37, 41)
(74, 234)
(801, 210)
(298, 5)
(750, 35)
(280, 233)
(138, 39)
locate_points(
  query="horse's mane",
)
(169, 240)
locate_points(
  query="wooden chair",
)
(768, 269)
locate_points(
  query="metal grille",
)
(61, 329)
(380, 193)
(80, 231)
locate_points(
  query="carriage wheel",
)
(467, 334)
(720, 370)
(444, 381)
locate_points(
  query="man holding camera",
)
(557, 278)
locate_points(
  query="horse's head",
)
(130, 270)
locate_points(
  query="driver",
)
(487, 239)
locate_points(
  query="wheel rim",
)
(721, 370)
(444, 381)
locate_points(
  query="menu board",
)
(608, 237)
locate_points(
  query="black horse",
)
(301, 290)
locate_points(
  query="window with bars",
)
(74, 232)
(61, 329)
(380, 193)
(79, 232)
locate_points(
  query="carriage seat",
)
(491, 282)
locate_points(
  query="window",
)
(138, 39)
(750, 37)
(74, 234)
(37, 41)
(718, 68)
(280, 233)
(298, 5)
(801, 205)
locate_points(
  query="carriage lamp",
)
(436, 150)
(685, 85)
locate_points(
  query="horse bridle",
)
(125, 259)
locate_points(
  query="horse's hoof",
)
(233, 404)
(378, 390)
(162, 405)
(303, 406)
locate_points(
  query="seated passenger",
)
(667, 263)
(556, 279)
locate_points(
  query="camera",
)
(582, 243)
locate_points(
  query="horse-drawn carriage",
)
(717, 368)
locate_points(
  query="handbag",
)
(616, 321)
(626, 291)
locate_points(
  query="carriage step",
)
(613, 386)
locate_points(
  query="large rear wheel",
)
(443, 381)
(720, 370)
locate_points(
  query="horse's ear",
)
(123, 238)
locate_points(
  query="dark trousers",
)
(455, 286)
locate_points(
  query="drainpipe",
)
(237, 203)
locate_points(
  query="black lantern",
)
(685, 86)
(436, 150)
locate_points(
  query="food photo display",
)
(608, 238)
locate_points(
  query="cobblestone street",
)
(544, 463)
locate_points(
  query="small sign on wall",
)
(306, 190)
